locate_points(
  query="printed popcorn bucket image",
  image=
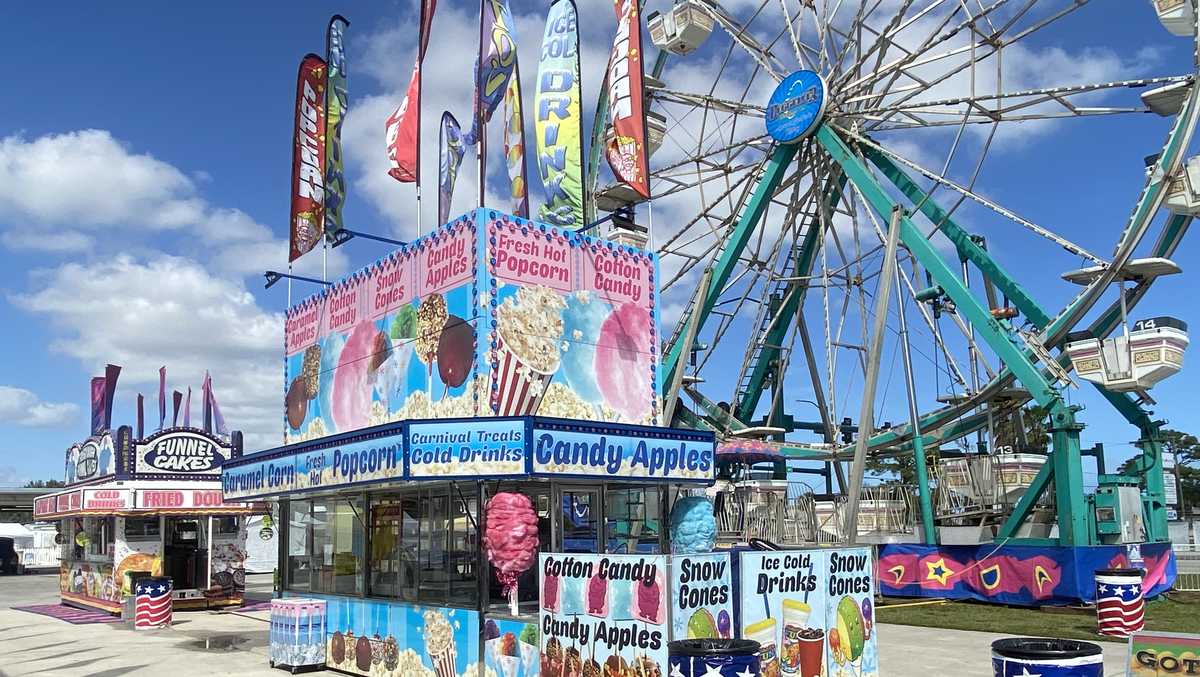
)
(527, 353)
(439, 644)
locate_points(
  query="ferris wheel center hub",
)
(797, 106)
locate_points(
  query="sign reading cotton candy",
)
(623, 361)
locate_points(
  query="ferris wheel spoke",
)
(741, 35)
(962, 190)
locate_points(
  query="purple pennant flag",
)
(187, 409)
(97, 404)
(162, 396)
(177, 400)
(206, 407)
(213, 418)
(141, 417)
(111, 373)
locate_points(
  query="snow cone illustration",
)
(331, 352)
(507, 656)
(847, 641)
(581, 325)
(623, 362)
(528, 330)
(529, 647)
(439, 644)
(351, 396)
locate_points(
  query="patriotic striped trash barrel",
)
(1024, 656)
(1120, 608)
(152, 603)
(714, 658)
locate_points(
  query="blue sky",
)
(144, 160)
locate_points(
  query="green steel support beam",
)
(1068, 470)
(752, 212)
(967, 248)
(1025, 506)
(995, 333)
(806, 255)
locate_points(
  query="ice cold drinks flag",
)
(307, 219)
(558, 126)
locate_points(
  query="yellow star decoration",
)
(938, 571)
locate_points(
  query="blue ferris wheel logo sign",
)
(796, 107)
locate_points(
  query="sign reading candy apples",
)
(603, 614)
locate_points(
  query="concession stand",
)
(149, 507)
(476, 478)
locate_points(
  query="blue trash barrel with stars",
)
(706, 657)
(1019, 656)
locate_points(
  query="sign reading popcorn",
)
(478, 448)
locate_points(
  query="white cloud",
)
(58, 242)
(169, 310)
(22, 407)
(87, 178)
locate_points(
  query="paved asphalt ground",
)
(231, 643)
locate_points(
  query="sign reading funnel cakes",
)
(529, 330)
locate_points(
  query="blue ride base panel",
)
(1016, 574)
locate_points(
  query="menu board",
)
(603, 614)
(811, 611)
(701, 596)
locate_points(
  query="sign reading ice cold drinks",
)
(811, 611)
(467, 449)
(606, 609)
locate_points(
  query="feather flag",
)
(162, 397)
(336, 105)
(626, 149)
(403, 130)
(177, 400)
(559, 123)
(306, 223)
(187, 408)
(141, 416)
(111, 373)
(97, 404)
(495, 64)
(514, 145)
(452, 150)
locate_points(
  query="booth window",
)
(325, 545)
(423, 546)
(634, 522)
(226, 525)
(142, 528)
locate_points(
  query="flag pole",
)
(421, 41)
(480, 147)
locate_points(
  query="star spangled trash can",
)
(727, 657)
(297, 634)
(1120, 607)
(1017, 656)
(152, 603)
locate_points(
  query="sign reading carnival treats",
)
(566, 449)
(181, 452)
(322, 466)
(489, 315)
(470, 448)
(603, 610)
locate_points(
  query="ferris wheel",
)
(776, 251)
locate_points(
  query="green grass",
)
(1178, 613)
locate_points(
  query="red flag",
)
(307, 219)
(626, 150)
(403, 129)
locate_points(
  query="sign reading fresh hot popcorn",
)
(489, 315)
(478, 448)
(326, 465)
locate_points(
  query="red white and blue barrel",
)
(1120, 607)
(1021, 656)
(152, 603)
